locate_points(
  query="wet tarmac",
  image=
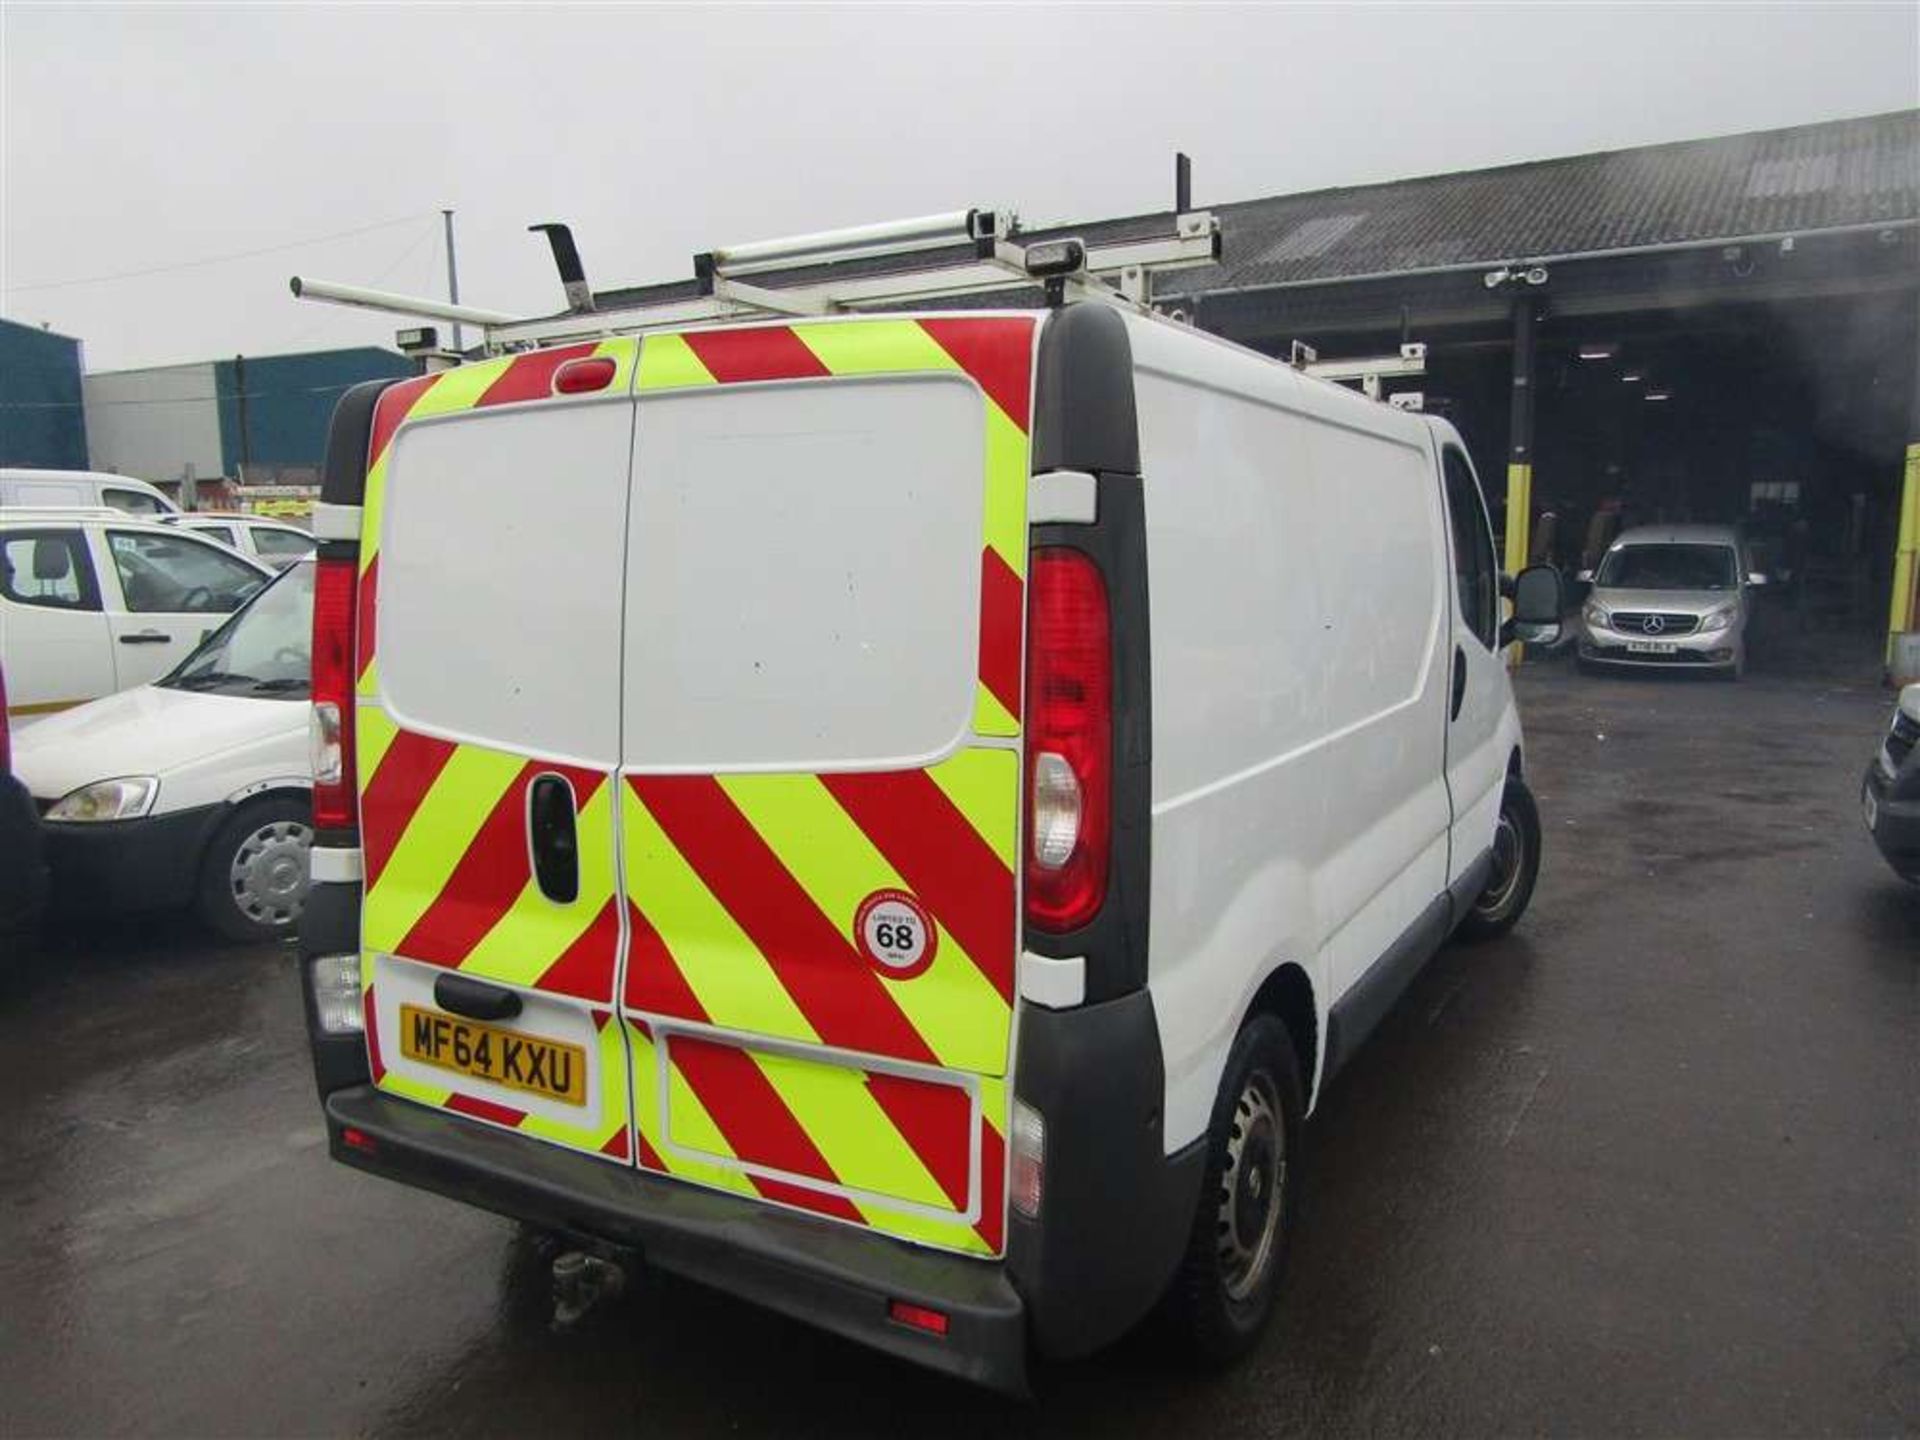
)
(1650, 1165)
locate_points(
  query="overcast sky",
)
(142, 137)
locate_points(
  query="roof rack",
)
(973, 252)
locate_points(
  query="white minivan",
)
(81, 489)
(912, 845)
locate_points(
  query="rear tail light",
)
(1069, 740)
(359, 1140)
(330, 733)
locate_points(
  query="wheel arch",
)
(272, 786)
(1287, 994)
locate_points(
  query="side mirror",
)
(1756, 578)
(1585, 577)
(1539, 600)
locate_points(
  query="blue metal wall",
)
(41, 421)
(288, 401)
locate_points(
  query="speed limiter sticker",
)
(895, 933)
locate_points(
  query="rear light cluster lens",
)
(1027, 1168)
(934, 1322)
(330, 732)
(1069, 698)
(336, 994)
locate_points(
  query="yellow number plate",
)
(520, 1062)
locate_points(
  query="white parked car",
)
(68, 489)
(92, 602)
(268, 541)
(193, 790)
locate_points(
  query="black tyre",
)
(1227, 1283)
(253, 879)
(1516, 865)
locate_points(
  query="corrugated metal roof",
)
(1800, 180)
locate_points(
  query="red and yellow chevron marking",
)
(996, 352)
(514, 379)
(449, 882)
(448, 876)
(823, 1137)
(604, 1131)
(742, 892)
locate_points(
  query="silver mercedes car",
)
(1672, 596)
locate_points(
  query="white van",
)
(79, 490)
(912, 842)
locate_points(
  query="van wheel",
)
(1516, 865)
(1224, 1292)
(253, 881)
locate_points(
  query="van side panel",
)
(1300, 810)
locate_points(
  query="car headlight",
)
(127, 798)
(1597, 615)
(1714, 621)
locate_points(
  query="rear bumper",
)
(824, 1273)
(150, 864)
(1896, 827)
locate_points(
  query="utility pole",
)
(453, 277)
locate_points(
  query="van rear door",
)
(488, 725)
(820, 765)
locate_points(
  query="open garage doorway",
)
(1788, 420)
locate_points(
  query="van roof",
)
(10, 473)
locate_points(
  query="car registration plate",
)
(1651, 647)
(1870, 809)
(501, 1057)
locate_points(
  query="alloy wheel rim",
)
(268, 873)
(1252, 1188)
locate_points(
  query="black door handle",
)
(475, 999)
(146, 637)
(550, 833)
(1459, 679)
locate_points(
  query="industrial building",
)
(250, 420)
(41, 422)
(1721, 330)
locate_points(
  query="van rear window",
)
(501, 552)
(803, 575)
